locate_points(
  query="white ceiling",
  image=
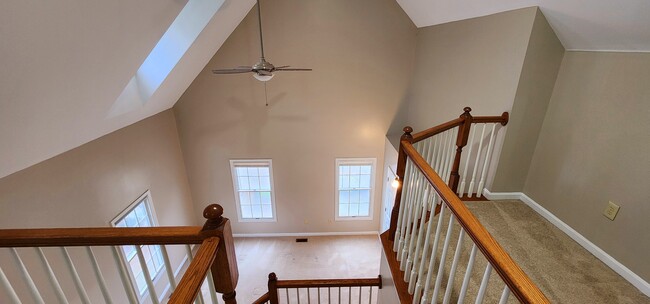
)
(64, 63)
(622, 25)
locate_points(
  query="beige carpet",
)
(564, 270)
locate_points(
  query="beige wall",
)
(362, 56)
(594, 147)
(539, 72)
(89, 186)
(474, 62)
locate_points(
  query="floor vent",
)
(302, 240)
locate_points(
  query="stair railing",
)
(429, 168)
(214, 262)
(349, 291)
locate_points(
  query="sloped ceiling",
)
(64, 63)
(605, 25)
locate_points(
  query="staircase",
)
(427, 219)
(428, 209)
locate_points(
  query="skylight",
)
(169, 50)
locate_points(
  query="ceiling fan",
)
(262, 70)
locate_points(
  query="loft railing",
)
(214, 261)
(349, 291)
(429, 168)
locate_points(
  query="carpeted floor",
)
(564, 270)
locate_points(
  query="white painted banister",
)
(486, 162)
(470, 191)
(6, 285)
(147, 275)
(452, 270)
(36, 295)
(468, 275)
(504, 295)
(484, 284)
(443, 257)
(124, 276)
(99, 276)
(58, 291)
(468, 157)
(81, 290)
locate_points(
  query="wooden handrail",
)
(518, 282)
(263, 299)
(323, 283)
(104, 236)
(190, 284)
(422, 135)
(503, 119)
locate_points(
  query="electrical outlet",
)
(611, 210)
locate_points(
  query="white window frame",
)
(146, 197)
(355, 161)
(252, 162)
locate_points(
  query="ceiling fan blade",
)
(232, 71)
(293, 69)
(282, 67)
(264, 73)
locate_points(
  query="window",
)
(140, 214)
(355, 179)
(253, 183)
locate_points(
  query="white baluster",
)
(486, 162)
(286, 290)
(51, 276)
(406, 184)
(99, 276)
(147, 275)
(409, 223)
(454, 264)
(213, 292)
(470, 191)
(8, 288)
(427, 240)
(81, 290)
(484, 284)
(432, 259)
(444, 154)
(359, 294)
(124, 277)
(443, 257)
(168, 267)
(468, 275)
(369, 295)
(504, 295)
(468, 156)
(407, 254)
(28, 279)
(452, 155)
(421, 232)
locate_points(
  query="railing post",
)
(401, 167)
(273, 288)
(461, 142)
(224, 269)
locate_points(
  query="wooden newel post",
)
(401, 167)
(273, 288)
(224, 269)
(461, 142)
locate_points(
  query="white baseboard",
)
(615, 265)
(305, 234)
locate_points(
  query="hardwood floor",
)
(320, 258)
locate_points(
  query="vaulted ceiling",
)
(63, 64)
(604, 25)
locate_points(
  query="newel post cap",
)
(213, 214)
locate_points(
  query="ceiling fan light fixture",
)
(263, 77)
